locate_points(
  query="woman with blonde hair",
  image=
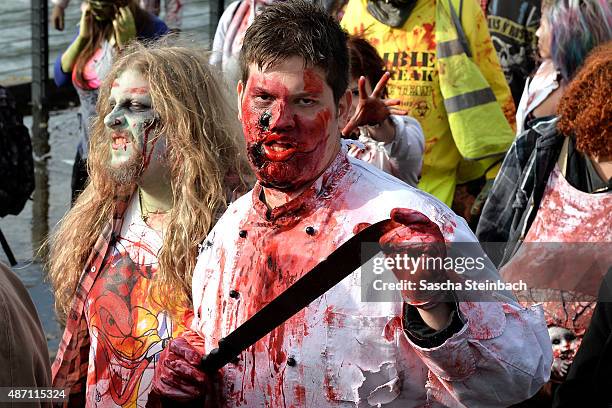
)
(163, 159)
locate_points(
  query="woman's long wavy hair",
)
(577, 26)
(204, 151)
(100, 30)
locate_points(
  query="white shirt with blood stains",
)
(339, 351)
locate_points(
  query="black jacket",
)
(590, 376)
(518, 189)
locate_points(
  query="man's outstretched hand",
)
(177, 374)
(412, 234)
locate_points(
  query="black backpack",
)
(16, 163)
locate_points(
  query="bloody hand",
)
(412, 234)
(372, 110)
(177, 376)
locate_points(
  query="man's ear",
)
(344, 108)
(240, 91)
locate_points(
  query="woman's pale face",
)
(544, 38)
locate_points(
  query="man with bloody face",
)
(287, 116)
(310, 198)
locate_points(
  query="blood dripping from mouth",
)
(306, 129)
(305, 164)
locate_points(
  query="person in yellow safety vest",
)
(446, 73)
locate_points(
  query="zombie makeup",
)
(564, 342)
(564, 346)
(290, 123)
(135, 148)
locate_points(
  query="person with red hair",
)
(571, 30)
(559, 269)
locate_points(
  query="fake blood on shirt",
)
(279, 247)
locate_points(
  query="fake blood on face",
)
(286, 113)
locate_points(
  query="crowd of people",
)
(206, 185)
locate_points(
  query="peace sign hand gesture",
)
(372, 110)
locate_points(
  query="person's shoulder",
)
(378, 184)
(383, 192)
(406, 121)
(235, 212)
(29, 366)
(227, 16)
(9, 283)
(231, 9)
(408, 126)
(157, 28)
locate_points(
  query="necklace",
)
(144, 213)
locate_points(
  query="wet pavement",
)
(15, 35)
(29, 229)
(51, 200)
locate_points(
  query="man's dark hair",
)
(297, 28)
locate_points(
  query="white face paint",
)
(135, 150)
(544, 37)
(564, 346)
(564, 342)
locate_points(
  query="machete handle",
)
(343, 261)
(218, 357)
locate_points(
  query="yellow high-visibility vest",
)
(443, 88)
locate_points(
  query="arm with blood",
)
(501, 355)
(177, 374)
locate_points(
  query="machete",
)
(325, 275)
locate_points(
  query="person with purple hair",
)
(577, 26)
(555, 185)
(569, 30)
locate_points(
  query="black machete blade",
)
(329, 272)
